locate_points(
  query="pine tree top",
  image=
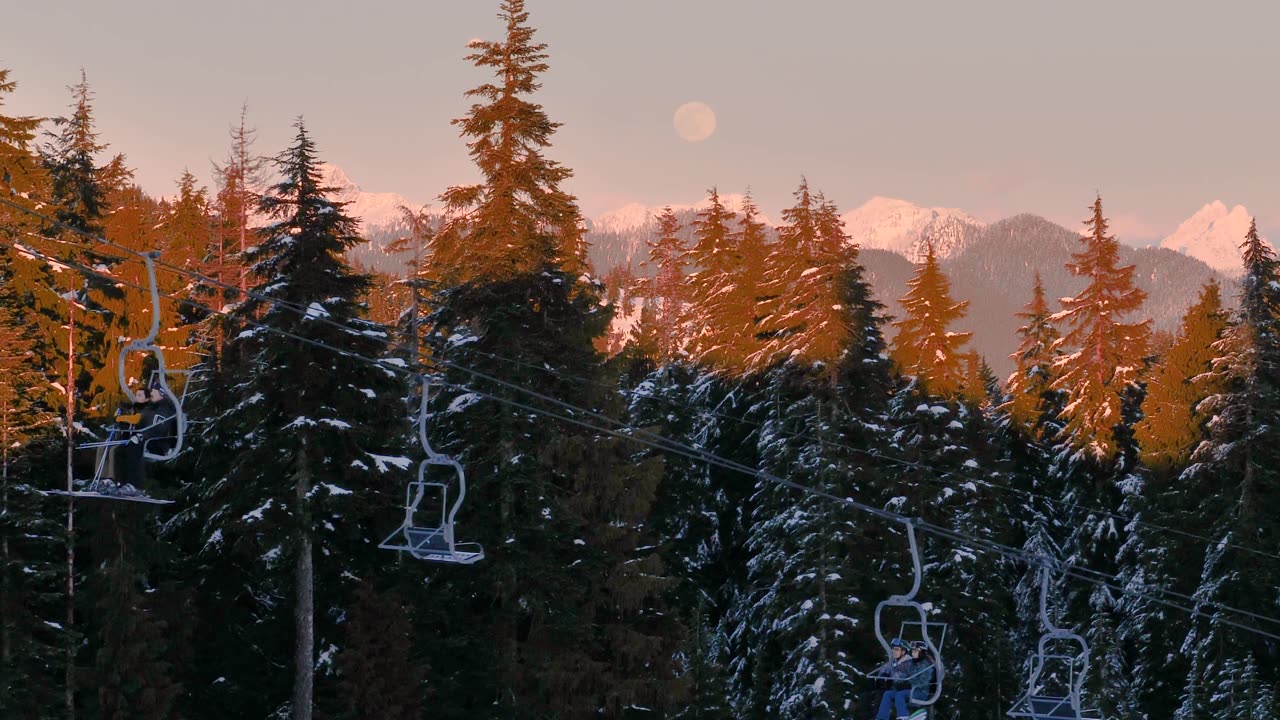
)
(1102, 354)
(1033, 372)
(15, 132)
(712, 250)
(518, 219)
(300, 256)
(925, 346)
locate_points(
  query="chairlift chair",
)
(169, 428)
(426, 534)
(1060, 700)
(925, 626)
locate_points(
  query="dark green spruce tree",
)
(564, 618)
(301, 444)
(1234, 478)
(798, 644)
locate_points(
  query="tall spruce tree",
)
(925, 346)
(509, 224)
(1028, 387)
(1102, 355)
(805, 320)
(1171, 427)
(793, 627)
(564, 617)
(241, 178)
(714, 339)
(666, 291)
(31, 566)
(1233, 477)
(300, 445)
(1095, 457)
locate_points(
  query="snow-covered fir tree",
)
(1028, 387)
(804, 319)
(1102, 355)
(300, 444)
(1093, 455)
(566, 613)
(796, 628)
(716, 338)
(1233, 478)
(925, 346)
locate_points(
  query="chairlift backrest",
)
(1037, 703)
(160, 381)
(909, 602)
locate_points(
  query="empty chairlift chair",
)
(1057, 674)
(431, 506)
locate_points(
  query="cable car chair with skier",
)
(923, 624)
(1055, 696)
(426, 534)
(162, 437)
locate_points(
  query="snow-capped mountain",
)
(899, 226)
(1213, 236)
(375, 210)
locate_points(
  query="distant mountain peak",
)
(375, 210)
(1213, 236)
(886, 223)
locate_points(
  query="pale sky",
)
(993, 106)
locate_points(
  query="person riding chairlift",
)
(148, 424)
(897, 673)
(122, 470)
(921, 675)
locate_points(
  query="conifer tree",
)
(382, 678)
(716, 272)
(648, 336)
(795, 642)
(1103, 356)
(1028, 387)
(187, 234)
(132, 678)
(667, 289)
(518, 219)
(241, 178)
(925, 346)
(411, 319)
(805, 320)
(19, 169)
(30, 541)
(1171, 427)
(567, 608)
(1233, 477)
(304, 446)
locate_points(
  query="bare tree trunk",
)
(6, 647)
(304, 607)
(70, 698)
(242, 157)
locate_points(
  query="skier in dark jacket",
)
(922, 673)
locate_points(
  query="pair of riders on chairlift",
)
(144, 423)
(908, 677)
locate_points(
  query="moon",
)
(694, 121)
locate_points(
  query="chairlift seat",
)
(433, 539)
(1046, 707)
